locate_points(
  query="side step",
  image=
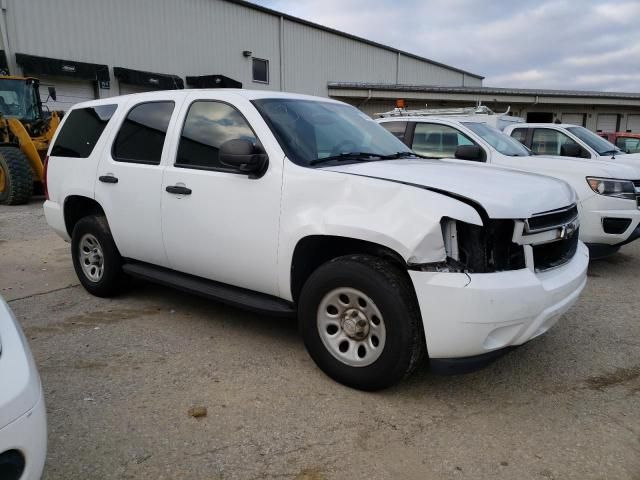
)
(235, 296)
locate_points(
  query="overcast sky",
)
(579, 44)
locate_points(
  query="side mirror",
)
(469, 152)
(244, 156)
(52, 93)
(570, 150)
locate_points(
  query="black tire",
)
(17, 186)
(391, 291)
(112, 279)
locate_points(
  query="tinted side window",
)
(82, 130)
(208, 125)
(397, 128)
(549, 142)
(520, 134)
(437, 141)
(141, 136)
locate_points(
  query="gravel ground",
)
(121, 375)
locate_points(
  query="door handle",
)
(178, 190)
(108, 179)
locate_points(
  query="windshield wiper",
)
(358, 156)
(399, 155)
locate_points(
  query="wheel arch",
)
(77, 207)
(314, 250)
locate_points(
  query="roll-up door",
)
(573, 118)
(633, 123)
(128, 88)
(68, 92)
(607, 123)
(74, 81)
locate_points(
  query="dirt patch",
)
(617, 377)
(310, 474)
(91, 319)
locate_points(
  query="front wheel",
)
(360, 322)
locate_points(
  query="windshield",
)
(17, 100)
(502, 142)
(312, 131)
(599, 144)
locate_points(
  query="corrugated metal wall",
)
(197, 37)
(313, 57)
(416, 72)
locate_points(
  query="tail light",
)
(44, 177)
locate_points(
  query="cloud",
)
(579, 44)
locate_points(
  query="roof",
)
(291, 18)
(484, 90)
(221, 93)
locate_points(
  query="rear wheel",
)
(16, 180)
(360, 322)
(96, 259)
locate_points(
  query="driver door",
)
(219, 223)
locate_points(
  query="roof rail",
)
(477, 110)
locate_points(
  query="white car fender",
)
(337, 204)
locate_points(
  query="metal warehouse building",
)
(92, 49)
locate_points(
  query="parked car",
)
(23, 425)
(568, 141)
(284, 203)
(625, 141)
(608, 192)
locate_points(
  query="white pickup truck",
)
(287, 204)
(568, 141)
(608, 191)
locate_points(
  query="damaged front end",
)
(543, 241)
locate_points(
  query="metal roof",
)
(484, 90)
(348, 35)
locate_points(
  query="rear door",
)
(130, 179)
(76, 151)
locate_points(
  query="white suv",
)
(285, 203)
(608, 191)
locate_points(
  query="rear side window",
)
(141, 136)
(397, 128)
(81, 131)
(208, 125)
(520, 134)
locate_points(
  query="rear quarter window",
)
(81, 131)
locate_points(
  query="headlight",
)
(613, 188)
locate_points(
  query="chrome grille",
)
(541, 222)
(558, 247)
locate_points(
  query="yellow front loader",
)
(25, 134)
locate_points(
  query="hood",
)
(503, 193)
(628, 159)
(602, 167)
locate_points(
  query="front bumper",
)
(466, 315)
(28, 435)
(595, 209)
